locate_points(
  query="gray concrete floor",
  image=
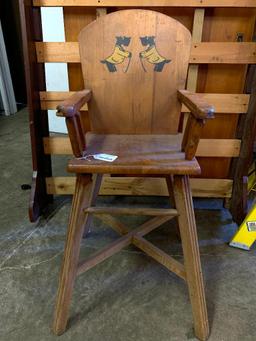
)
(128, 297)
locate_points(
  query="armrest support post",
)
(70, 109)
(192, 136)
(200, 111)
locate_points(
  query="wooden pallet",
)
(218, 66)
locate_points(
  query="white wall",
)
(6, 88)
(56, 73)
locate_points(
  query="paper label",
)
(251, 226)
(105, 157)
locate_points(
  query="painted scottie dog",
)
(151, 55)
(119, 54)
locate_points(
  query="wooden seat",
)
(137, 154)
(134, 65)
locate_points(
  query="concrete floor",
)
(129, 297)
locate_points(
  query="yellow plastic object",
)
(246, 235)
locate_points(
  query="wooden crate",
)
(218, 65)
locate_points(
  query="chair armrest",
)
(74, 103)
(199, 108)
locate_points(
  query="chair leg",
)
(77, 221)
(187, 225)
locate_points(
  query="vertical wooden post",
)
(75, 19)
(35, 80)
(240, 166)
(100, 12)
(197, 31)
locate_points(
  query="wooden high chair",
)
(135, 64)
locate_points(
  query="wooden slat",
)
(133, 211)
(218, 148)
(201, 53)
(223, 53)
(147, 3)
(51, 99)
(169, 262)
(216, 188)
(226, 103)
(145, 228)
(100, 12)
(115, 224)
(57, 146)
(206, 147)
(124, 241)
(151, 224)
(160, 256)
(223, 103)
(153, 186)
(198, 24)
(75, 19)
(61, 52)
(104, 254)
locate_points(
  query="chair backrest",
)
(134, 61)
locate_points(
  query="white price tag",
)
(105, 157)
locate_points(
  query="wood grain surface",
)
(134, 86)
(147, 3)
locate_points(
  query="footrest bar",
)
(132, 211)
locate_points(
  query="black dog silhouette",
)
(119, 54)
(151, 54)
